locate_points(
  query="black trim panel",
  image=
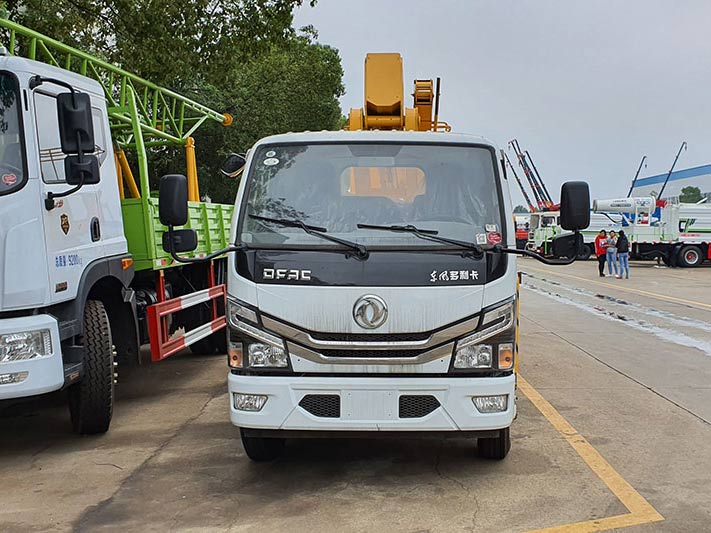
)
(374, 434)
(381, 269)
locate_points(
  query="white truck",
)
(373, 290)
(84, 280)
(544, 226)
(678, 233)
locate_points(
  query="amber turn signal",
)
(506, 356)
(234, 355)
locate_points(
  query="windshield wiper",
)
(317, 231)
(428, 235)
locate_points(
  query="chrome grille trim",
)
(315, 357)
(303, 337)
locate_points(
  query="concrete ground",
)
(627, 363)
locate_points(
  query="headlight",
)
(259, 348)
(474, 356)
(497, 329)
(25, 345)
(267, 356)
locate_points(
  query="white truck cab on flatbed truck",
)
(373, 287)
(83, 280)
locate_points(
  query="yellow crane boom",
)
(384, 107)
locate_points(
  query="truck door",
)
(73, 227)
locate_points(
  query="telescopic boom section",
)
(531, 207)
(141, 113)
(384, 107)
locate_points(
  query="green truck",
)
(84, 280)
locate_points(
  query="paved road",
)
(628, 368)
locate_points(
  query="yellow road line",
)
(640, 510)
(621, 288)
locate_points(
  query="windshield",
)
(12, 175)
(451, 189)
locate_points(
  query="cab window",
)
(12, 150)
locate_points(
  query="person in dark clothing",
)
(623, 255)
(601, 251)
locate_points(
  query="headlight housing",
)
(474, 356)
(262, 355)
(249, 346)
(498, 329)
(25, 345)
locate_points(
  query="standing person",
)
(623, 254)
(601, 251)
(611, 254)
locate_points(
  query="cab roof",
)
(18, 64)
(376, 136)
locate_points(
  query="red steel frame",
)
(162, 345)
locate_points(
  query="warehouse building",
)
(690, 177)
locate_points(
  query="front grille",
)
(371, 337)
(417, 406)
(377, 354)
(322, 405)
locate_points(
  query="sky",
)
(587, 88)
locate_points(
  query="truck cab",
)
(51, 252)
(345, 310)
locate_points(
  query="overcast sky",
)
(586, 87)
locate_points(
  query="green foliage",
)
(520, 209)
(690, 195)
(239, 56)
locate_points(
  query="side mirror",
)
(84, 173)
(173, 200)
(233, 165)
(568, 246)
(574, 205)
(76, 129)
(180, 240)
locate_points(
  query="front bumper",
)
(44, 374)
(371, 404)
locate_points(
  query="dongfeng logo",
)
(370, 312)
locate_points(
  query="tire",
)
(585, 253)
(496, 447)
(260, 449)
(91, 401)
(215, 343)
(690, 256)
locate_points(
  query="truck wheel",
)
(261, 449)
(495, 447)
(585, 253)
(690, 256)
(91, 401)
(215, 343)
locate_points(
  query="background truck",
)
(84, 279)
(679, 234)
(544, 226)
(372, 289)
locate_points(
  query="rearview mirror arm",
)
(534, 255)
(35, 82)
(213, 255)
(49, 201)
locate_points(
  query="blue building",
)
(695, 177)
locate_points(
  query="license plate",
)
(368, 405)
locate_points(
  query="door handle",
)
(95, 229)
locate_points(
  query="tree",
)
(165, 41)
(521, 209)
(690, 195)
(238, 56)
